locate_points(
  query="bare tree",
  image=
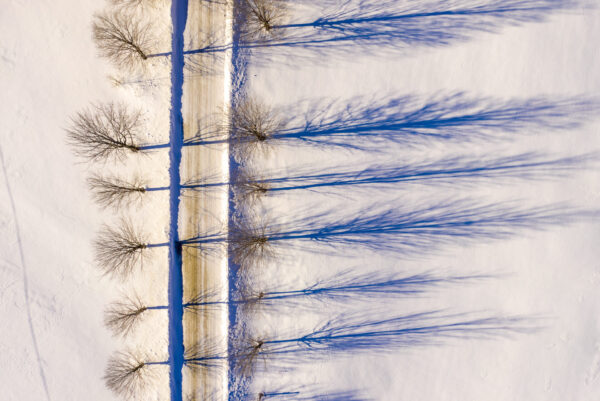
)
(123, 316)
(127, 374)
(105, 130)
(261, 16)
(247, 354)
(251, 299)
(249, 185)
(249, 244)
(115, 192)
(252, 125)
(119, 250)
(122, 38)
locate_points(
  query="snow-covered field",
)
(521, 89)
(496, 88)
(51, 70)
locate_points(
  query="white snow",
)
(551, 275)
(49, 69)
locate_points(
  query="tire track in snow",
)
(36, 347)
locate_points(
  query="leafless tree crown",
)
(122, 38)
(119, 250)
(249, 185)
(105, 130)
(249, 244)
(122, 317)
(252, 124)
(262, 16)
(248, 355)
(250, 298)
(126, 374)
(115, 192)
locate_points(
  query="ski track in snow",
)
(25, 278)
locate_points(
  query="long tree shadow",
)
(452, 171)
(347, 334)
(250, 185)
(432, 23)
(405, 229)
(372, 124)
(305, 393)
(345, 286)
(409, 120)
(341, 287)
(366, 25)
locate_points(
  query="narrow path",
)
(36, 347)
(176, 348)
(205, 111)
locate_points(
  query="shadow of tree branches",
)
(409, 120)
(457, 170)
(305, 393)
(404, 229)
(374, 123)
(340, 287)
(390, 25)
(348, 334)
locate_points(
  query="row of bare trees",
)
(122, 249)
(127, 39)
(253, 131)
(108, 134)
(111, 132)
